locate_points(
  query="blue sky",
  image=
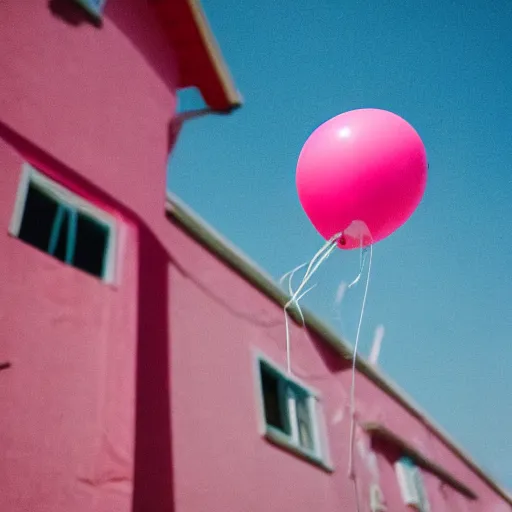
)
(441, 285)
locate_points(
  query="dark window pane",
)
(38, 217)
(274, 414)
(91, 245)
(62, 238)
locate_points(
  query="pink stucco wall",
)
(80, 426)
(99, 100)
(217, 321)
(143, 396)
(71, 342)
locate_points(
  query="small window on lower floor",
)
(292, 413)
(411, 484)
(52, 219)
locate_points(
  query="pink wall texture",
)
(99, 100)
(142, 395)
(86, 412)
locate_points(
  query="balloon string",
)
(362, 261)
(287, 325)
(286, 320)
(351, 472)
(298, 294)
(313, 266)
(356, 494)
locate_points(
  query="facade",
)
(141, 355)
(265, 441)
(87, 120)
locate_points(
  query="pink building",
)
(141, 356)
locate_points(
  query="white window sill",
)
(281, 440)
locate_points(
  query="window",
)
(52, 219)
(93, 7)
(291, 414)
(411, 484)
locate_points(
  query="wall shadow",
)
(332, 359)
(389, 451)
(72, 13)
(156, 50)
(153, 472)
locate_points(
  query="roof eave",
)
(233, 97)
(200, 63)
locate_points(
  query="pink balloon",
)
(362, 173)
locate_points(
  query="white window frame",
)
(377, 499)
(411, 484)
(59, 193)
(320, 453)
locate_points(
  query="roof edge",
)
(232, 94)
(185, 218)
